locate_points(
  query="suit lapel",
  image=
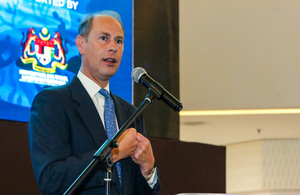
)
(88, 112)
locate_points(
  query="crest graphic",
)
(43, 52)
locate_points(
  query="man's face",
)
(102, 52)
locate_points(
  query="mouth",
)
(110, 60)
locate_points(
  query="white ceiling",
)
(239, 54)
(224, 130)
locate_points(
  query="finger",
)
(131, 130)
(141, 138)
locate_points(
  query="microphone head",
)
(137, 73)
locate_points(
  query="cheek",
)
(92, 47)
(121, 53)
(93, 53)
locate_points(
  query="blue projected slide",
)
(37, 49)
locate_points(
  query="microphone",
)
(139, 75)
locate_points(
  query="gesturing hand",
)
(127, 145)
(143, 154)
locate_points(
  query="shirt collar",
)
(91, 87)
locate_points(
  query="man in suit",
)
(67, 123)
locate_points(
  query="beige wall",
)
(237, 54)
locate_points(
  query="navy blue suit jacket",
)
(65, 130)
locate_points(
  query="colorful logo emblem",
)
(43, 52)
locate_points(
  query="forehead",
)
(109, 24)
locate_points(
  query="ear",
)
(80, 42)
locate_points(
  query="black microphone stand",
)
(103, 154)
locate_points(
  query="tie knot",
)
(104, 92)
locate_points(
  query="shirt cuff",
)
(153, 179)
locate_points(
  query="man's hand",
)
(143, 154)
(127, 145)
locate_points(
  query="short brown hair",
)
(86, 24)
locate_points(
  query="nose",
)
(113, 47)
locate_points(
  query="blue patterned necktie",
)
(110, 122)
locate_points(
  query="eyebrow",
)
(109, 35)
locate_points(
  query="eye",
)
(119, 41)
(103, 38)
